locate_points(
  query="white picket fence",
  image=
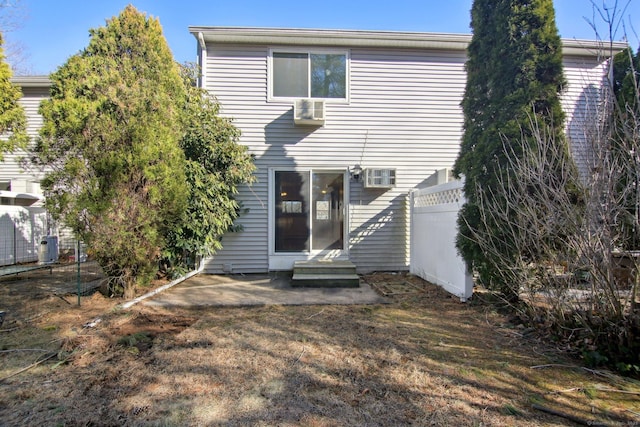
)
(21, 231)
(434, 257)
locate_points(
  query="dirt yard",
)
(424, 360)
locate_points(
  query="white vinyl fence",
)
(21, 230)
(434, 256)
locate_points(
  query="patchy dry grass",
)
(425, 359)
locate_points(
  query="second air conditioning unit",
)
(379, 178)
(308, 112)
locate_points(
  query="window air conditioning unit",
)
(379, 178)
(308, 112)
(444, 175)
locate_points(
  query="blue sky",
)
(54, 30)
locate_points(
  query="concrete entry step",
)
(324, 267)
(325, 280)
(325, 274)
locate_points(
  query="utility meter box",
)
(48, 251)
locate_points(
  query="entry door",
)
(309, 211)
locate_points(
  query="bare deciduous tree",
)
(13, 14)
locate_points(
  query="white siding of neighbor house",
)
(587, 78)
(403, 113)
(24, 180)
(11, 169)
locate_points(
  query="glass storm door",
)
(327, 219)
(309, 211)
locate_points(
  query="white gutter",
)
(381, 39)
(595, 48)
(162, 288)
(335, 38)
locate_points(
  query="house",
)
(19, 186)
(23, 220)
(343, 124)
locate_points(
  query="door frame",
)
(285, 260)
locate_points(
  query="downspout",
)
(202, 55)
(163, 288)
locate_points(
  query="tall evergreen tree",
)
(13, 121)
(514, 78)
(111, 137)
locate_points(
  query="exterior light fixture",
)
(356, 172)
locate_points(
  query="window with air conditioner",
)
(379, 178)
(309, 74)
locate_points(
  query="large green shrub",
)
(216, 164)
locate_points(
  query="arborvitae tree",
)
(110, 139)
(13, 122)
(514, 78)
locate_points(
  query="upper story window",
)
(298, 74)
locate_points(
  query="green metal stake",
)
(78, 275)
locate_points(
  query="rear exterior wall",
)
(403, 112)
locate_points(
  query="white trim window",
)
(308, 74)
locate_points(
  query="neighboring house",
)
(23, 220)
(343, 124)
(19, 186)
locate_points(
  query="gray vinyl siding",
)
(238, 78)
(403, 113)
(11, 168)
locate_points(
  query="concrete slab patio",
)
(204, 290)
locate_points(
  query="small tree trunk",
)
(130, 288)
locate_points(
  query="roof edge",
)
(31, 81)
(337, 38)
(597, 48)
(365, 38)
